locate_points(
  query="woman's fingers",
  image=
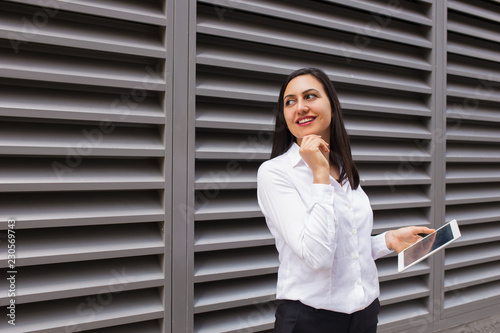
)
(314, 150)
(314, 142)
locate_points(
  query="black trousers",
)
(295, 317)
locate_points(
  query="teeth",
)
(305, 120)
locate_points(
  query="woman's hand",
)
(315, 151)
(400, 239)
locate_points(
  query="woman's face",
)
(307, 108)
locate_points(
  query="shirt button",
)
(355, 257)
(329, 193)
(354, 231)
(358, 282)
(349, 207)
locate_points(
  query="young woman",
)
(320, 217)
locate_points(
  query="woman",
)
(320, 217)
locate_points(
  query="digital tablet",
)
(428, 245)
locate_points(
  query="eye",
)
(289, 102)
(311, 96)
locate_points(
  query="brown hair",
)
(340, 147)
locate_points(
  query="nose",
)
(302, 106)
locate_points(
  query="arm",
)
(308, 231)
(396, 240)
(379, 246)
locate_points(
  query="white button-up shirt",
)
(323, 236)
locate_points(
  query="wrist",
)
(388, 240)
(321, 177)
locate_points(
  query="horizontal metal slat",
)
(217, 205)
(226, 175)
(471, 255)
(73, 30)
(222, 265)
(465, 109)
(231, 146)
(383, 101)
(473, 91)
(472, 152)
(45, 174)
(389, 151)
(472, 47)
(151, 326)
(212, 296)
(467, 25)
(397, 197)
(78, 141)
(393, 174)
(408, 11)
(368, 125)
(225, 86)
(336, 17)
(60, 209)
(47, 246)
(387, 268)
(397, 218)
(59, 103)
(75, 69)
(478, 234)
(474, 213)
(401, 312)
(472, 193)
(128, 10)
(472, 173)
(471, 276)
(50, 282)
(234, 116)
(223, 235)
(488, 72)
(267, 59)
(254, 318)
(480, 9)
(403, 290)
(476, 296)
(66, 315)
(477, 132)
(297, 36)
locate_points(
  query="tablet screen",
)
(430, 243)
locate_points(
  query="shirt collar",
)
(293, 154)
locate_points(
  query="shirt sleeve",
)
(379, 246)
(308, 231)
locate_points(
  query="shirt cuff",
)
(379, 246)
(322, 193)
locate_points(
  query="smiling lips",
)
(305, 121)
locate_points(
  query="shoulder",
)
(274, 168)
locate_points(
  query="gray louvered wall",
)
(472, 266)
(131, 133)
(82, 107)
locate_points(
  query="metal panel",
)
(470, 285)
(84, 165)
(244, 51)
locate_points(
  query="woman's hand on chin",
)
(315, 151)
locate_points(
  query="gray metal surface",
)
(131, 133)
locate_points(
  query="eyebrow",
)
(303, 93)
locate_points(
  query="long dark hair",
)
(340, 147)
